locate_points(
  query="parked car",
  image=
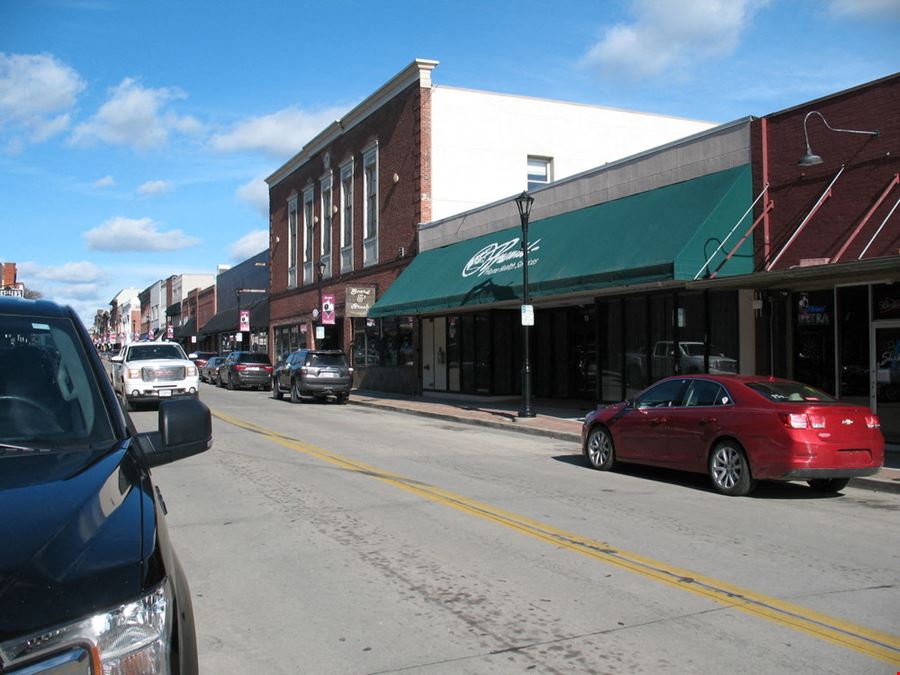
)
(89, 581)
(209, 371)
(321, 373)
(200, 358)
(738, 429)
(245, 369)
(153, 371)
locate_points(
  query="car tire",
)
(832, 485)
(295, 392)
(600, 450)
(230, 382)
(219, 382)
(343, 398)
(729, 470)
(276, 392)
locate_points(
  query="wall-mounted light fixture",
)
(396, 178)
(809, 159)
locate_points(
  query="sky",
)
(135, 135)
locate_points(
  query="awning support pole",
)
(862, 223)
(825, 195)
(740, 220)
(880, 227)
(768, 207)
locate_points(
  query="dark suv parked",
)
(89, 581)
(313, 372)
(245, 369)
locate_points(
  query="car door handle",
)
(659, 420)
(707, 420)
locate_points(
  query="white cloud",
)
(126, 234)
(36, 93)
(249, 245)
(106, 181)
(283, 133)
(866, 9)
(136, 116)
(255, 193)
(155, 187)
(82, 272)
(668, 37)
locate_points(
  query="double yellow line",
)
(876, 644)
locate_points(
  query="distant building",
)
(8, 284)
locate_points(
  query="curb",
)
(867, 483)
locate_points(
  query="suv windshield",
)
(157, 351)
(790, 392)
(321, 360)
(248, 357)
(49, 396)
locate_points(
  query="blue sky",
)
(135, 134)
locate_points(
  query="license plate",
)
(328, 373)
(253, 368)
(164, 392)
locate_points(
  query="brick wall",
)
(870, 164)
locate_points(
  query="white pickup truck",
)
(152, 371)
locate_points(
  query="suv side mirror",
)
(118, 358)
(185, 429)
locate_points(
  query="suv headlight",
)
(191, 371)
(134, 373)
(133, 639)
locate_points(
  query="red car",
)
(738, 429)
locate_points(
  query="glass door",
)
(886, 381)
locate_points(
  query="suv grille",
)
(162, 373)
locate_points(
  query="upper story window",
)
(308, 225)
(347, 217)
(292, 242)
(370, 232)
(540, 171)
(325, 230)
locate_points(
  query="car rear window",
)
(791, 392)
(254, 358)
(322, 360)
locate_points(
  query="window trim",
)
(548, 164)
(309, 224)
(346, 236)
(293, 204)
(325, 222)
(370, 212)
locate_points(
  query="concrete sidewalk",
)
(555, 419)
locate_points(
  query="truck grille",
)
(162, 373)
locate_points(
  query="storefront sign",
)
(495, 258)
(359, 300)
(527, 315)
(887, 301)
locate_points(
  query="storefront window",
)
(724, 332)
(637, 346)
(611, 350)
(813, 314)
(662, 362)
(853, 344)
(453, 353)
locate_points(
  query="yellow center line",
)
(872, 643)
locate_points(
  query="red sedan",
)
(738, 429)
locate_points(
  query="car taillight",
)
(794, 420)
(817, 421)
(240, 366)
(873, 422)
(268, 369)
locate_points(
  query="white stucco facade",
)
(481, 142)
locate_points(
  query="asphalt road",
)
(339, 539)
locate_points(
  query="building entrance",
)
(885, 380)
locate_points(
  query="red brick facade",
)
(400, 127)
(870, 165)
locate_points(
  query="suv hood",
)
(70, 536)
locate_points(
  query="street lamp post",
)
(523, 203)
(320, 272)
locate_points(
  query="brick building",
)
(344, 211)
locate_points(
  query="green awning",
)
(659, 235)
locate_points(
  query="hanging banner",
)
(328, 309)
(245, 321)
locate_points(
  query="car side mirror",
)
(118, 358)
(192, 356)
(185, 429)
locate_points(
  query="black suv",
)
(313, 372)
(245, 369)
(89, 580)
